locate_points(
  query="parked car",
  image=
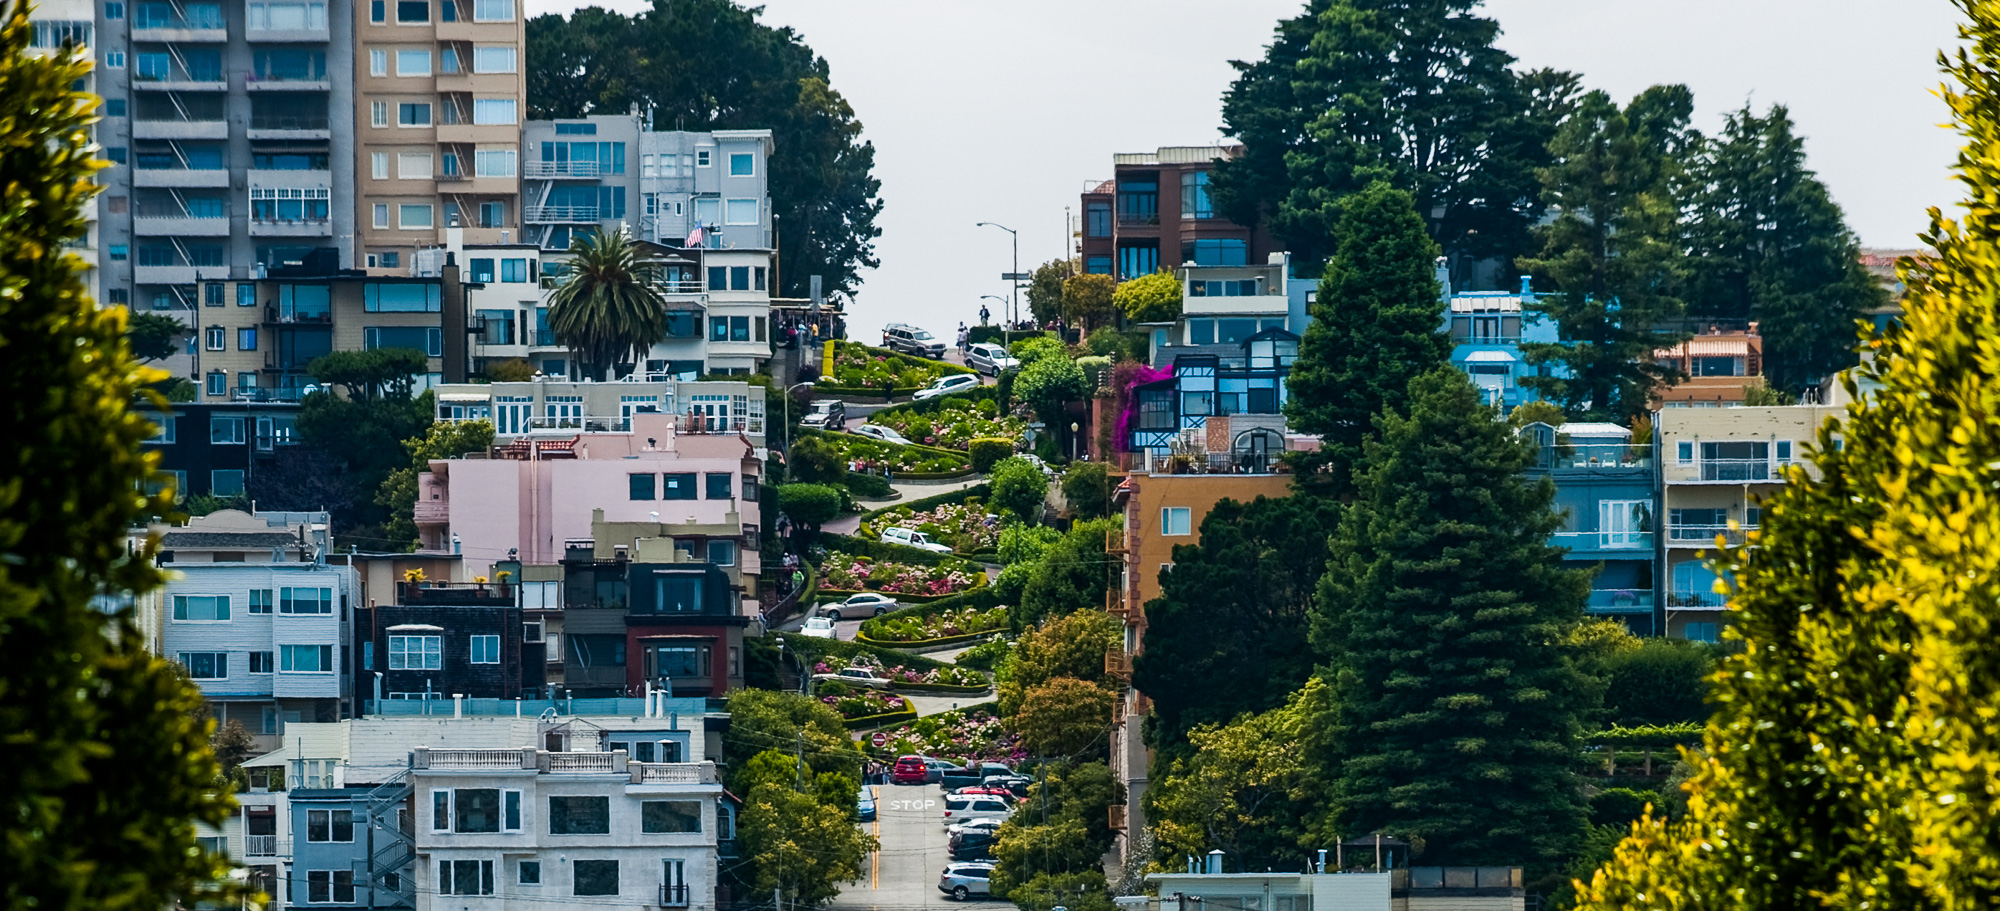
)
(1016, 785)
(972, 844)
(912, 340)
(947, 384)
(975, 776)
(818, 628)
(866, 604)
(910, 770)
(984, 791)
(983, 806)
(988, 826)
(963, 881)
(854, 676)
(824, 414)
(879, 432)
(910, 537)
(989, 358)
(865, 806)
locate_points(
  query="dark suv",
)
(915, 341)
(826, 414)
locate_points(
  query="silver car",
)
(963, 881)
(989, 358)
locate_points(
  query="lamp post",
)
(1073, 428)
(787, 396)
(1014, 277)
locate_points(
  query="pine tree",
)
(1613, 253)
(1850, 758)
(1351, 88)
(1377, 322)
(107, 766)
(1444, 611)
(1769, 244)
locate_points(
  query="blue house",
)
(1487, 329)
(339, 858)
(1605, 490)
(1229, 395)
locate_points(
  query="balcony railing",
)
(1596, 456)
(462, 594)
(546, 169)
(682, 286)
(580, 763)
(1117, 663)
(1614, 600)
(1688, 599)
(1706, 534)
(475, 759)
(672, 772)
(288, 122)
(673, 895)
(1114, 540)
(559, 213)
(543, 338)
(1425, 879)
(1740, 470)
(1603, 540)
(260, 845)
(1117, 817)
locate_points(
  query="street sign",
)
(880, 739)
(1017, 276)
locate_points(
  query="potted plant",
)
(412, 579)
(504, 578)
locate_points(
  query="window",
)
(1622, 523)
(1219, 251)
(493, 111)
(413, 114)
(305, 600)
(1137, 260)
(595, 877)
(225, 428)
(336, 886)
(1174, 520)
(514, 270)
(739, 328)
(496, 162)
(465, 877)
(1097, 220)
(441, 810)
(413, 166)
(415, 653)
(476, 810)
(580, 816)
(658, 817)
(376, 10)
(1684, 452)
(492, 214)
(493, 10)
(246, 295)
(330, 825)
(378, 113)
(722, 553)
(701, 157)
(740, 212)
(114, 59)
(115, 107)
(246, 339)
(720, 485)
(427, 339)
(495, 59)
(1139, 199)
(378, 62)
(306, 659)
(485, 649)
(260, 600)
(510, 811)
(262, 662)
(226, 482)
(114, 10)
(1702, 632)
(739, 278)
(215, 338)
(413, 63)
(382, 209)
(1194, 195)
(479, 269)
(718, 278)
(678, 487)
(742, 164)
(413, 11)
(120, 252)
(641, 486)
(206, 665)
(1781, 451)
(414, 216)
(530, 873)
(218, 382)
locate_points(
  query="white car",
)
(948, 384)
(959, 808)
(910, 537)
(866, 604)
(854, 676)
(818, 628)
(879, 432)
(989, 358)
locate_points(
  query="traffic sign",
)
(1017, 276)
(880, 739)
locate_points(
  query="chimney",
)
(458, 705)
(1443, 274)
(1322, 860)
(1527, 287)
(1214, 863)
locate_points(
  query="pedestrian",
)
(984, 314)
(964, 340)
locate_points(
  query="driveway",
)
(903, 875)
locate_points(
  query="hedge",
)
(909, 713)
(979, 491)
(988, 451)
(943, 688)
(1650, 735)
(841, 594)
(924, 643)
(889, 657)
(928, 451)
(871, 486)
(981, 598)
(882, 550)
(976, 393)
(994, 333)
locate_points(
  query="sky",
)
(1005, 110)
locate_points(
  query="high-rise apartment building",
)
(59, 24)
(438, 101)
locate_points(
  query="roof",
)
(1490, 357)
(227, 539)
(1104, 189)
(1594, 429)
(1710, 346)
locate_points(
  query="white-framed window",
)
(214, 338)
(378, 165)
(501, 111)
(485, 649)
(206, 665)
(702, 156)
(1684, 452)
(286, 16)
(378, 113)
(495, 162)
(742, 164)
(1781, 452)
(415, 653)
(494, 59)
(305, 659)
(529, 873)
(381, 216)
(1174, 520)
(413, 62)
(300, 600)
(413, 166)
(201, 608)
(114, 59)
(740, 212)
(261, 600)
(227, 428)
(1622, 523)
(493, 10)
(415, 216)
(378, 62)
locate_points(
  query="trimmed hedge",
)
(980, 491)
(817, 648)
(988, 451)
(882, 550)
(841, 594)
(943, 688)
(870, 486)
(925, 451)
(981, 598)
(994, 333)
(909, 713)
(923, 643)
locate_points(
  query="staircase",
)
(395, 843)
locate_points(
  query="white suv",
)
(910, 537)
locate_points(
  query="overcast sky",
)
(1003, 110)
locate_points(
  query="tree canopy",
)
(442, 440)
(608, 310)
(1045, 291)
(1154, 298)
(702, 65)
(153, 336)
(1087, 300)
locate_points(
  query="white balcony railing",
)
(260, 845)
(474, 759)
(582, 762)
(674, 773)
(547, 169)
(560, 213)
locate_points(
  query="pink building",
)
(524, 500)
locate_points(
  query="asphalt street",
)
(903, 875)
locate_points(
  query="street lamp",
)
(1014, 277)
(787, 396)
(1072, 440)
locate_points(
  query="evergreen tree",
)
(1377, 323)
(1850, 756)
(1238, 599)
(107, 766)
(1350, 88)
(1613, 253)
(1444, 611)
(1769, 244)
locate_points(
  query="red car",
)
(910, 770)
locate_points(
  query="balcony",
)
(303, 35)
(260, 845)
(182, 82)
(1114, 541)
(542, 338)
(181, 226)
(173, 275)
(672, 772)
(273, 316)
(1637, 542)
(456, 594)
(547, 170)
(1118, 664)
(682, 286)
(197, 23)
(1740, 470)
(1463, 882)
(1705, 535)
(282, 126)
(181, 177)
(1595, 457)
(180, 129)
(254, 83)
(1688, 599)
(433, 512)
(1117, 817)
(1114, 602)
(559, 214)
(1619, 601)
(673, 895)
(475, 759)
(303, 227)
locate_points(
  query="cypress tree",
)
(1613, 253)
(1443, 612)
(1850, 760)
(1378, 322)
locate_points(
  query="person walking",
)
(964, 340)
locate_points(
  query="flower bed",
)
(861, 703)
(953, 423)
(875, 455)
(854, 574)
(972, 734)
(961, 526)
(900, 675)
(858, 366)
(947, 624)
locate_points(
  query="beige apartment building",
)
(439, 102)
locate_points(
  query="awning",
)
(1490, 357)
(415, 628)
(1718, 347)
(278, 757)
(463, 397)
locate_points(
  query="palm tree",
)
(608, 307)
